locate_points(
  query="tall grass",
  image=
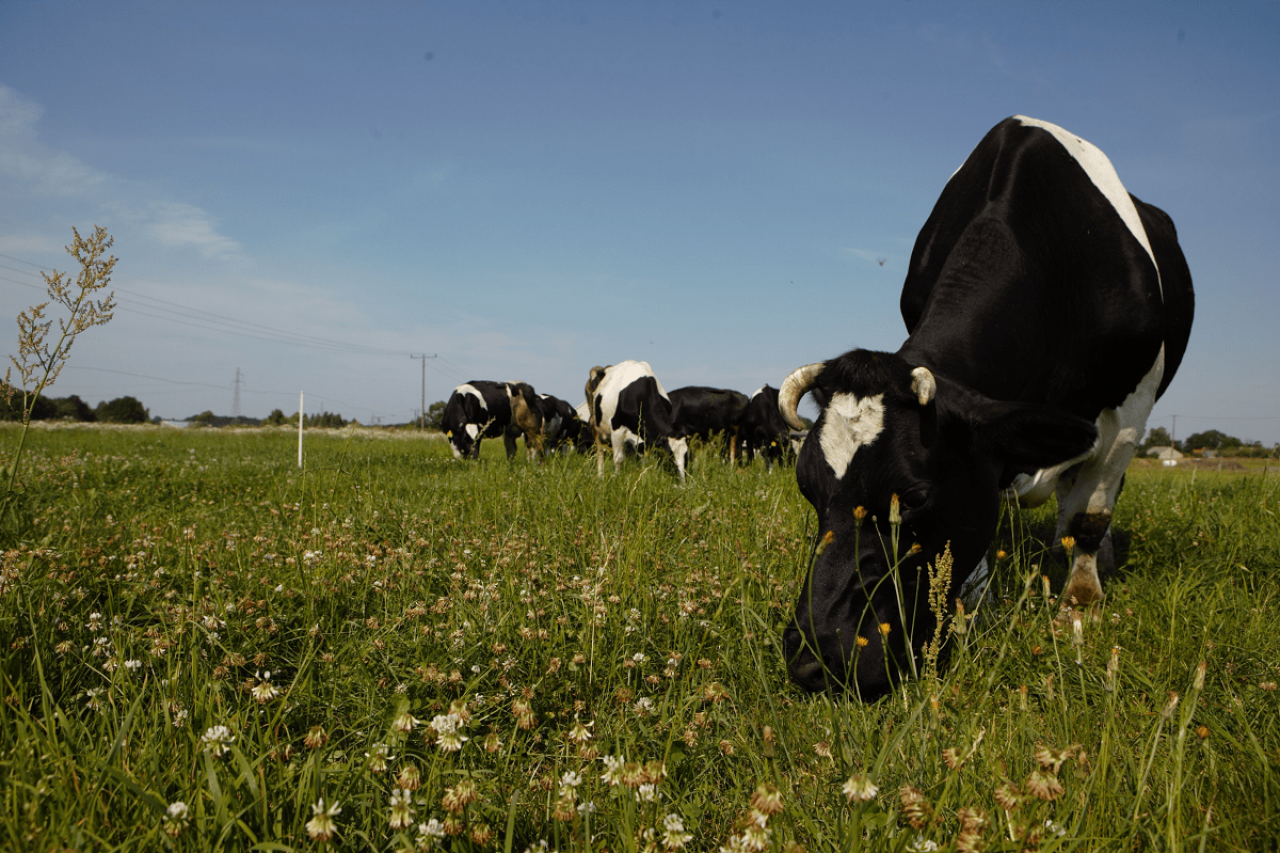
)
(503, 656)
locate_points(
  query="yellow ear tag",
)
(449, 434)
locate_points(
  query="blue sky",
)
(312, 192)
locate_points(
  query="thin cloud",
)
(22, 156)
(44, 171)
(178, 225)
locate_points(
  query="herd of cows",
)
(626, 406)
(1046, 309)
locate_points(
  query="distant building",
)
(1167, 455)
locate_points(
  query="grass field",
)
(205, 648)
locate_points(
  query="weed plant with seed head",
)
(40, 358)
(174, 548)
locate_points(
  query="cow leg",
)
(509, 439)
(1086, 512)
(619, 439)
(599, 445)
(533, 443)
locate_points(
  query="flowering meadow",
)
(203, 648)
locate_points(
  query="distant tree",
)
(73, 409)
(435, 415)
(123, 410)
(324, 419)
(205, 418)
(1209, 440)
(276, 418)
(1157, 437)
(41, 408)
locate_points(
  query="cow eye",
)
(915, 498)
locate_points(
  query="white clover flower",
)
(639, 657)
(673, 834)
(321, 827)
(431, 829)
(175, 818)
(647, 793)
(218, 740)
(379, 757)
(860, 789)
(406, 722)
(401, 808)
(570, 779)
(612, 770)
(264, 691)
(92, 698)
(644, 705)
(133, 665)
(922, 845)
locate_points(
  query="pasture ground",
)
(204, 648)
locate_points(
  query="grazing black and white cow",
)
(482, 409)
(762, 429)
(628, 404)
(1047, 310)
(561, 426)
(705, 412)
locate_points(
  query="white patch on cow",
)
(1097, 482)
(850, 423)
(468, 388)
(758, 392)
(472, 430)
(1104, 177)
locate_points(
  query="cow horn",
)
(923, 385)
(793, 388)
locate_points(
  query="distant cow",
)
(1047, 310)
(762, 430)
(628, 404)
(561, 426)
(482, 409)
(704, 412)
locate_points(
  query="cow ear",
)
(1031, 436)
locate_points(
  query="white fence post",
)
(299, 429)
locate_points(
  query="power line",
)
(223, 323)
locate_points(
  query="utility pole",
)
(422, 414)
(235, 401)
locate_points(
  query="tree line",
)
(121, 410)
(1215, 440)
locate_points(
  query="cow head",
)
(899, 464)
(462, 439)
